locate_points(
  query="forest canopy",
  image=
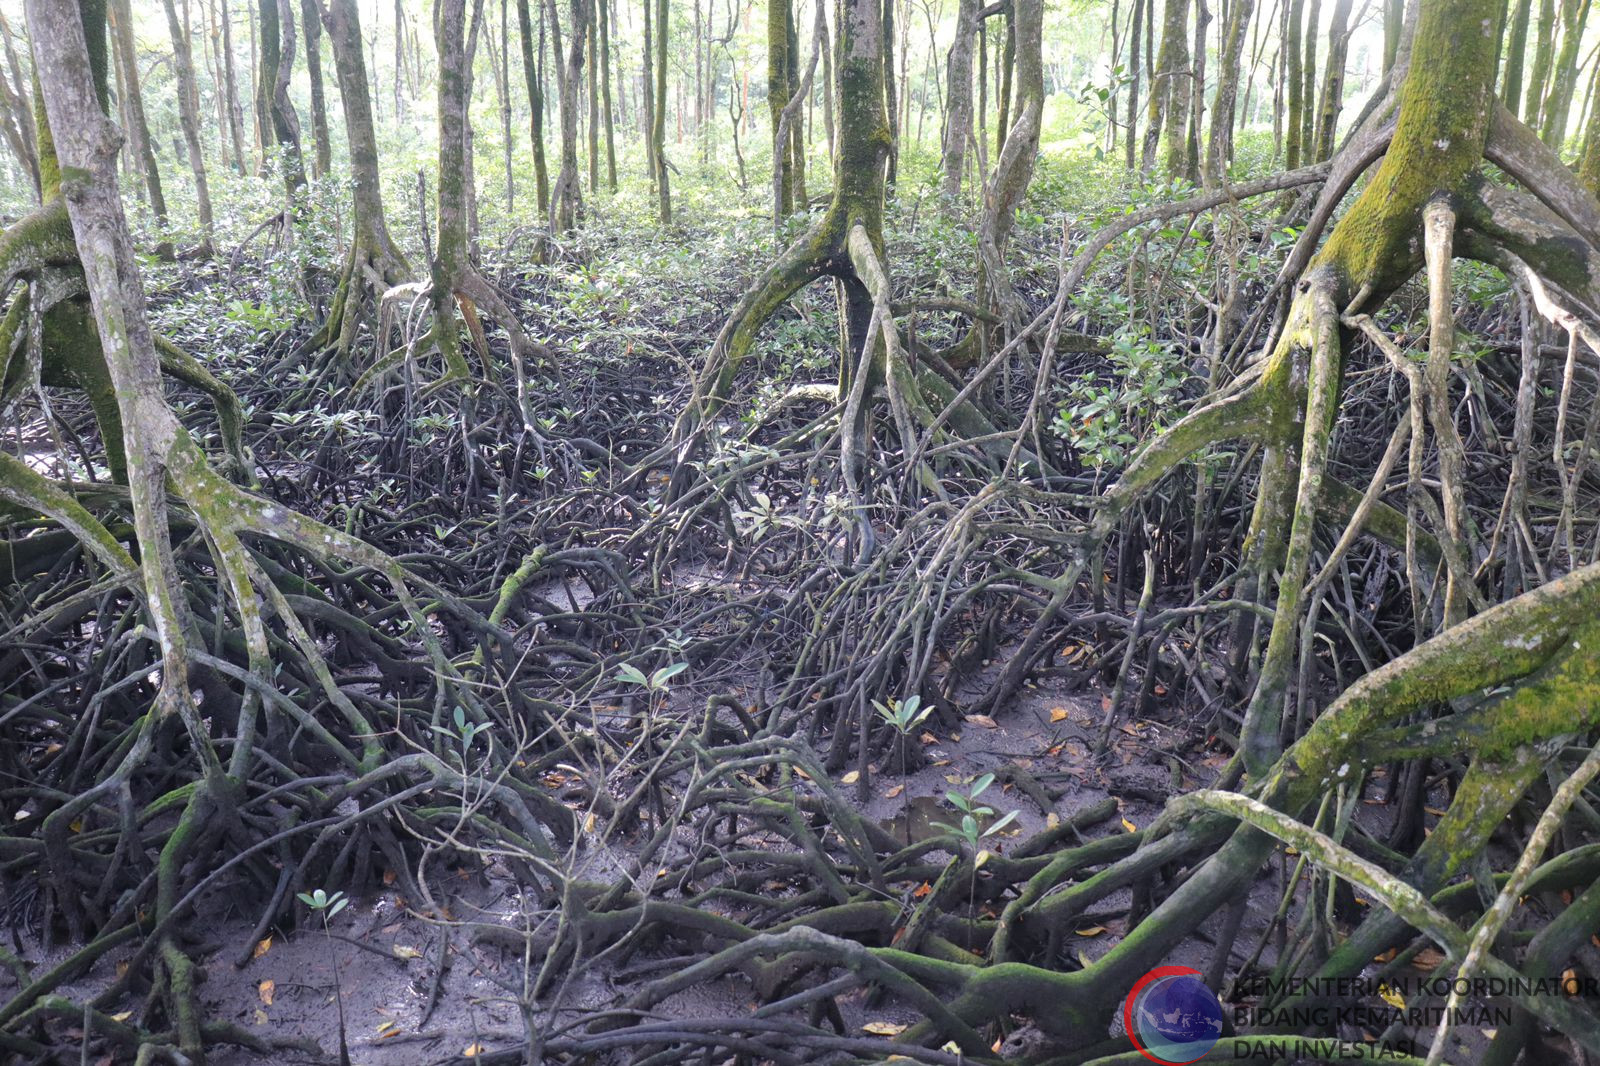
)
(656, 531)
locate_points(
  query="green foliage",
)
(325, 904)
(1105, 416)
(655, 682)
(970, 828)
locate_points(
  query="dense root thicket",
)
(439, 674)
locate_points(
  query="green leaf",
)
(1007, 819)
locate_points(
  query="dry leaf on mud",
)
(883, 1028)
(266, 990)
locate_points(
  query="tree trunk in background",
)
(343, 22)
(1516, 53)
(374, 263)
(322, 153)
(891, 100)
(1589, 161)
(452, 253)
(1219, 146)
(503, 88)
(189, 119)
(399, 55)
(1015, 161)
(1544, 38)
(1197, 92)
(647, 81)
(21, 109)
(1564, 73)
(1175, 127)
(533, 75)
(592, 96)
(958, 99)
(138, 131)
(1308, 75)
(1394, 20)
(1295, 84)
(566, 198)
(798, 126)
(231, 89)
(1130, 141)
(1332, 82)
(275, 112)
(1003, 75)
(607, 116)
(658, 132)
(1166, 110)
(780, 38)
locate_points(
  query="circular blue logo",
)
(1172, 1017)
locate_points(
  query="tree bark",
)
(566, 197)
(138, 131)
(275, 112)
(1168, 109)
(189, 119)
(606, 112)
(958, 99)
(1564, 73)
(1544, 47)
(658, 131)
(780, 36)
(533, 74)
(1292, 75)
(1332, 82)
(1219, 146)
(322, 153)
(230, 86)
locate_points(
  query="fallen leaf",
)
(1129, 826)
(260, 1016)
(1391, 997)
(1428, 959)
(263, 946)
(403, 951)
(1569, 981)
(122, 1016)
(895, 791)
(472, 1051)
(1058, 714)
(1093, 930)
(266, 990)
(851, 778)
(983, 720)
(883, 1028)
(922, 890)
